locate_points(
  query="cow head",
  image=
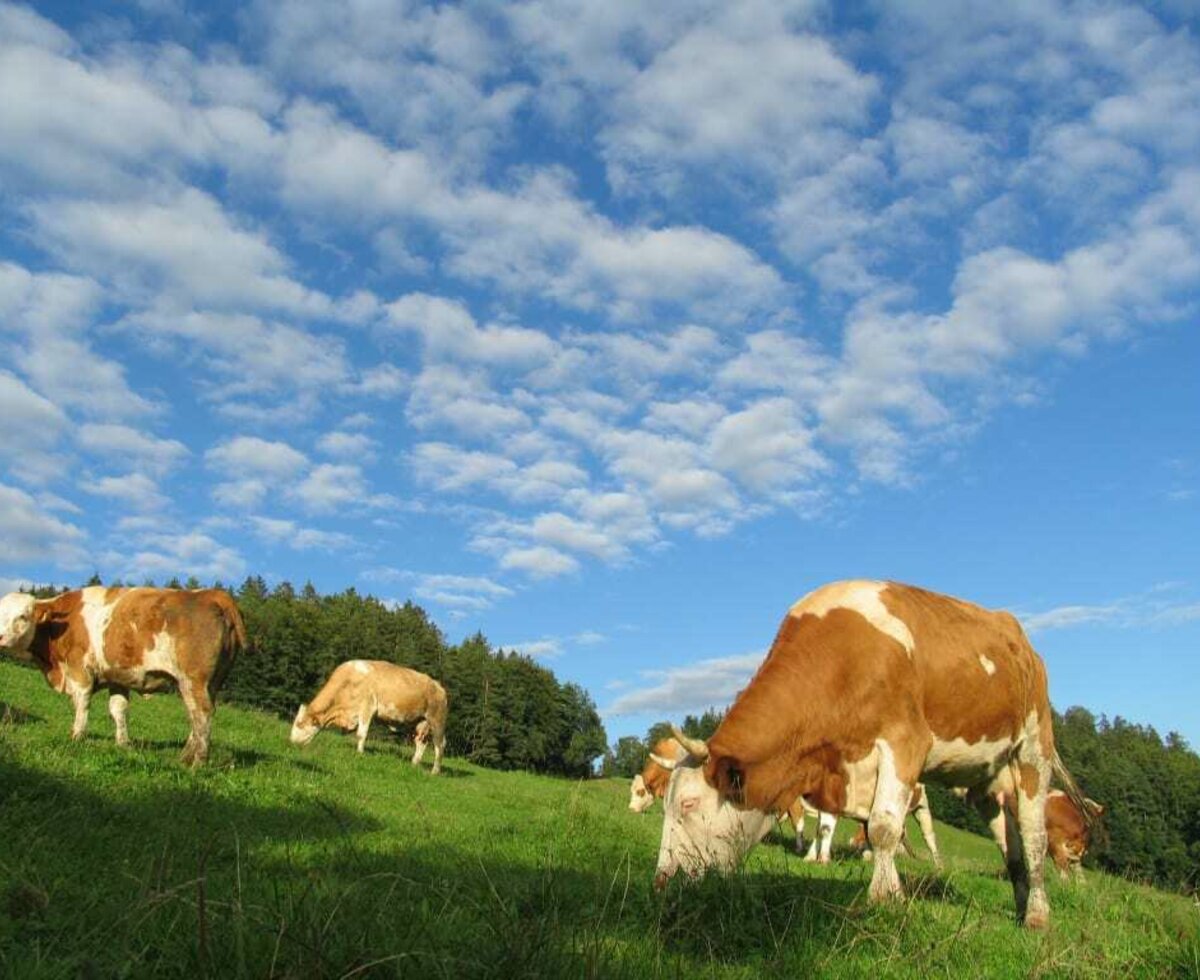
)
(17, 624)
(702, 829)
(640, 797)
(304, 728)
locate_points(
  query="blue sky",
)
(610, 330)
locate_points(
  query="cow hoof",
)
(1037, 920)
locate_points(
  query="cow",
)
(1068, 831)
(651, 784)
(130, 639)
(919, 808)
(869, 687)
(360, 690)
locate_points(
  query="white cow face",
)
(304, 729)
(16, 623)
(640, 798)
(702, 831)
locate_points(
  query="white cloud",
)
(347, 445)
(252, 456)
(120, 445)
(135, 490)
(280, 531)
(32, 535)
(185, 245)
(162, 556)
(538, 562)
(689, 689)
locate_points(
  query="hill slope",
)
(317, 863)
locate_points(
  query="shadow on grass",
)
(11, 714)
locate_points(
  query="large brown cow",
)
(130, 639)
(868, 687)
(361, 690)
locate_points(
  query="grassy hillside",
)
(317, 863)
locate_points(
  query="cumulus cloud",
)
(32, 535)
(692, 688)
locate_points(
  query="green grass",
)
(282, 862)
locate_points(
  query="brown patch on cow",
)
(655, 776)
(1030, 781)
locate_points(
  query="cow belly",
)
(157, 670)
(397, 713)
(958, 762)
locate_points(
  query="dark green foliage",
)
(1150, 789)
(629, 756)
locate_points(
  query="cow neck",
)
(789, 731)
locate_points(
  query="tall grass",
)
(278, 862)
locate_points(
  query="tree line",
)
(1149, 787)
(506, 710)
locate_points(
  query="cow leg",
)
(439, 746)
(992, 812)
(824, 840)
(118, 705)
(199, 708)
(925, 822)
(1027, 840)
(420, 740)
(364, 726)
(885, 825)
(81, 695)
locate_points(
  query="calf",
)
(360, 690)
(123, 640)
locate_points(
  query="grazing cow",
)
(651, 783)
(1068, 831)
(919, 807)
(868, 687)
(127, 640)
(359, 690)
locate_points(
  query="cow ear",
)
(731, 779)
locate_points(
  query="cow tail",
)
(1075, 794)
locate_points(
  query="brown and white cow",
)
(651, 784)
(361, 690)
(1068, 831)
(124, 640)
(868, 687)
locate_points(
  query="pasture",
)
(281, 862)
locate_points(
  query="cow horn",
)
(695, 746)
(668, 764)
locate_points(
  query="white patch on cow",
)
(16, 621)
(97, 614)
(161, 656)
(960, 756)
(987, 665)
(864, 598)
(861, 777)
(361, 667)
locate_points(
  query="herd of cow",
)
(869, 688)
